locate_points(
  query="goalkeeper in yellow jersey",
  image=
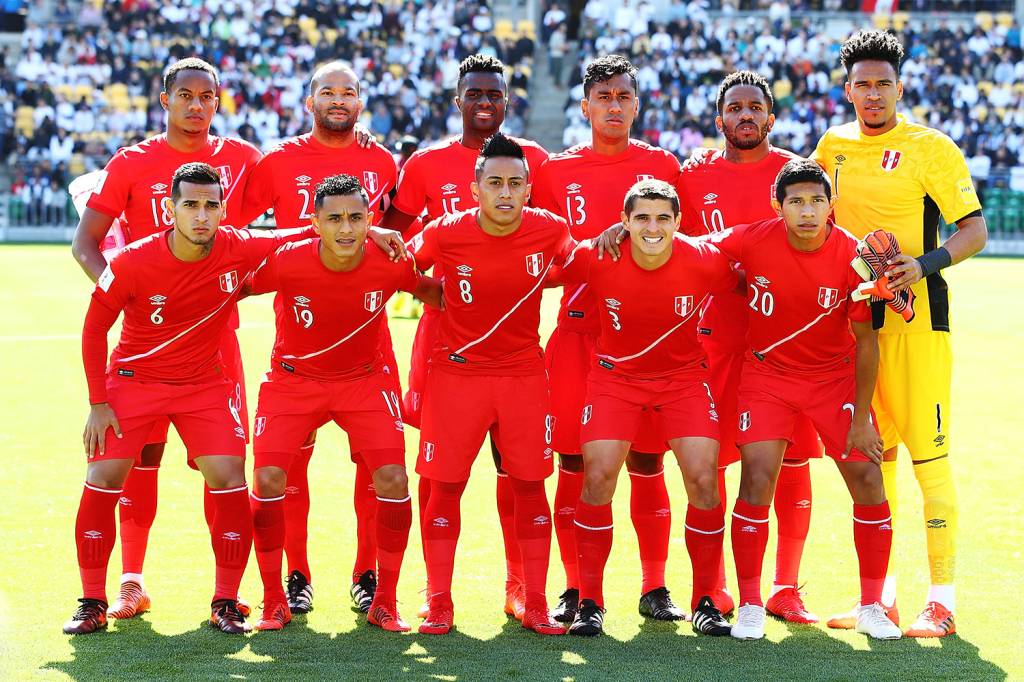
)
(898, 176)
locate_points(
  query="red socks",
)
(872, 537)
(231, 537)
(268, 537)
(533, 537)
(705, 532)
(441, 524)
(749, 539)
(567, 496)
(649, 508)
(364, 499)
(296, 512)
(722, 497)
(392, 520)
(506, 515)
(136, 510)
(594, 545)
(793, 511)
(94, 537)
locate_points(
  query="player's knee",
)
(599, 484)
(756, 484)
(864, 480)
(391, 481)
(702, 489)
(109, 473)
(269, 482)
(645, 464)
(572, 463)
(151, 454)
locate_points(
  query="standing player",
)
(923, 175)
(648, 360)
(437, 181)
(327, 365)
(733, 186)
(804, 359)
(134, 185)
(494, 260)
(586, 185)
(177, 289)
(285, 179)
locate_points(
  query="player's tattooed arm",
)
(609, 240)
(92, 228)
(862, 435)
(101, 418)
(389, 241)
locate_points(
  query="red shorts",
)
(291, 406)
(569, 357)
(202, 415)
(725, 380)
(231, 364)
(769, 403)
(460, 410)
(616, 406)
(419, 364)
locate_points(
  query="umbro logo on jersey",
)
(303, 179)
(232, 536)
(302, 301)
(612, 303)
(890, 159)
(763, 281)
(159, 188)
(93, 534)
(710, 198)
(827, 297)
(465, 270)
(228, 281)
(428, 451)
(744, 421)
(158, 299)
(372, 300)
(259, 425)
(684, 305)
(371, 182)
(449, 188)
(840, 158)
(534, 263)
(573, 188)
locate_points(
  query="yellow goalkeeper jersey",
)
(900, 181)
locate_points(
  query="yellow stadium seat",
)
(983, 20)
(396, 70)
(504, 28)
(899, 20)
(1004, 19)
(880, 21)
(227, 102)
(140, 102)
(527, 71)
(120, 104)
(920, 113)
(1001, 113)
(1018, 88)
(65, 92)
(313, 36)
(330, 35)
(985, 87)
(83, 92)
(526, 27)
(76, 165)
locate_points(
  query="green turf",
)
(43, 299)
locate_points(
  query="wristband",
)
(933, 261)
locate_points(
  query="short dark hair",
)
(651, 189)
(874, 45)
(605, 68)
(188, 64)
(745, 78)
(497, 145)
(338, 186)
(344, 66)
(800, 170)
(196, 172)
(479, 63)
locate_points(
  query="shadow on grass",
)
(658, 651)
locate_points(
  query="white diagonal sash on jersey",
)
(581, 287)
(337, 343)
(198, 324)
(575, 295)
(540, 281)
(657, 340)
(800, 331)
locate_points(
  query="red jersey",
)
(331, 326)
(285, 179)
(716, 194)
(492, 289)
(588, 189)
(649, 323)
(138, 178)
(174, 311)
(437, 178)
(798, 303)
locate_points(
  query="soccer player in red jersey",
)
(437, 181)
(586, 186)
(494, 260)
(285, 179)
(733, 186)
(133, 187)
(177, 289)
(648, 361)
(327, 366)
(810, 350)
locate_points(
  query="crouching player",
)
(803, 358)
(648, 361)
(177, 289)
(326, 366)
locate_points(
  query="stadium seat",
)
(983, 20)
(899, 20)
(526, 27)
(504, 29)
(1004, 19)
(880, 21)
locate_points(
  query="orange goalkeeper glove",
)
(872, 262)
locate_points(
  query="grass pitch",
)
(43, 297)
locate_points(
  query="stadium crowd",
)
(87, 81)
